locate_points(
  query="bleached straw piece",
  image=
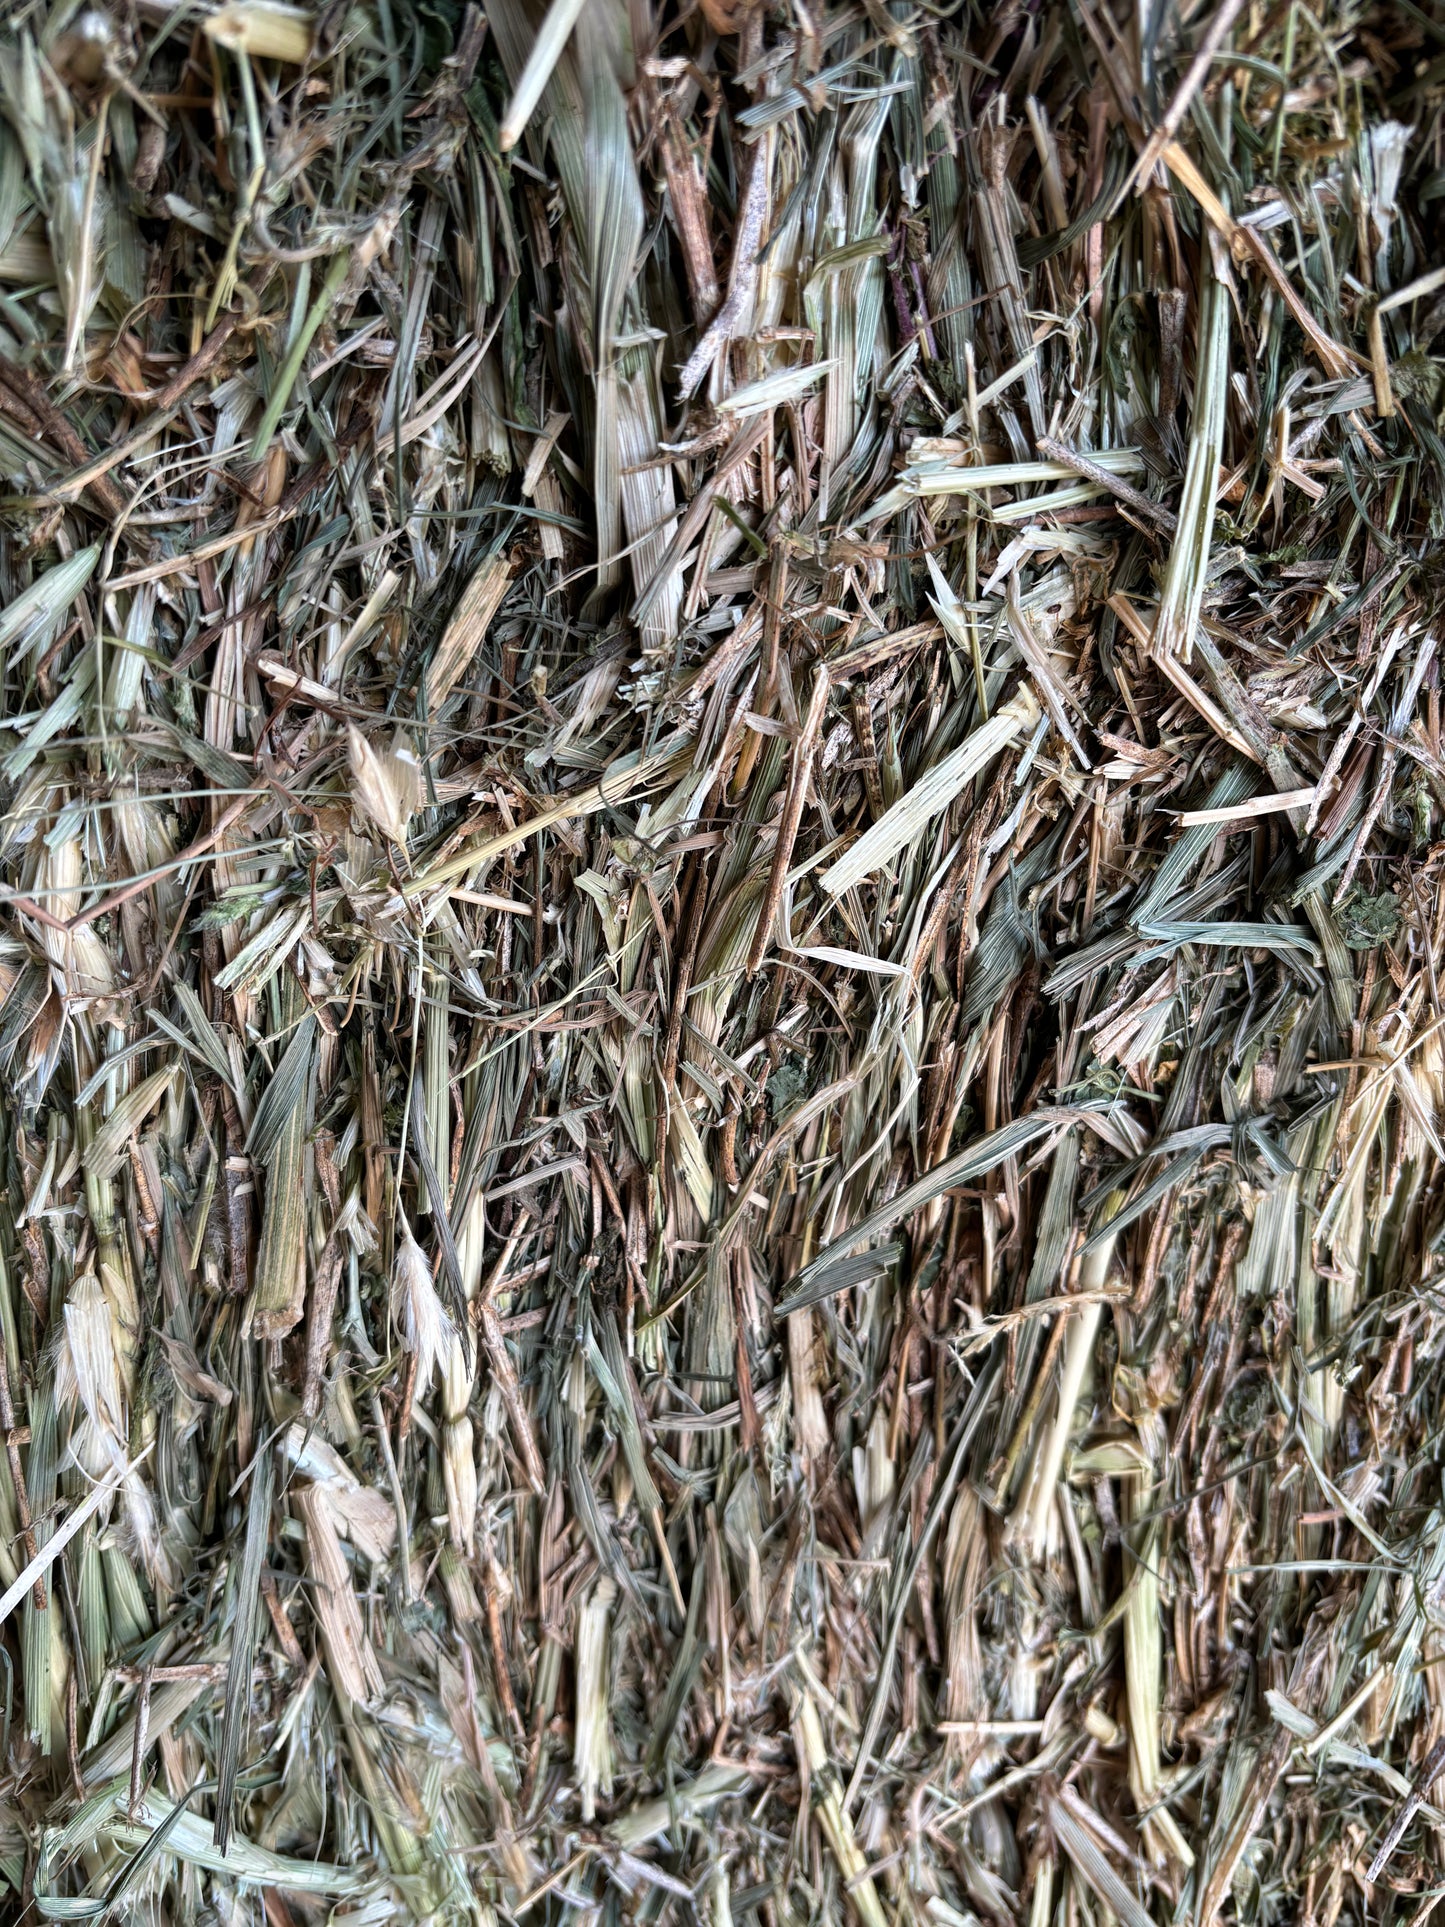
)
(63, 1534)
(547, 50)
(933, 792)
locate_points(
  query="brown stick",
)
(198, 848)
(58, 430)
(491, 1588)
(498, 1357)
(1131, 497)
(165, 402)
(690, 216)
(682, 981)
(803, 753)
(1188, 87)
(318, 1329)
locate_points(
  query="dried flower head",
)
(426, 1329)
(388, 783)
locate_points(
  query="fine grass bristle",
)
(722, 885)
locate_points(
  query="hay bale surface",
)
(720, 934)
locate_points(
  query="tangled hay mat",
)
(722, 1067)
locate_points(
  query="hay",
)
(720, 921)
